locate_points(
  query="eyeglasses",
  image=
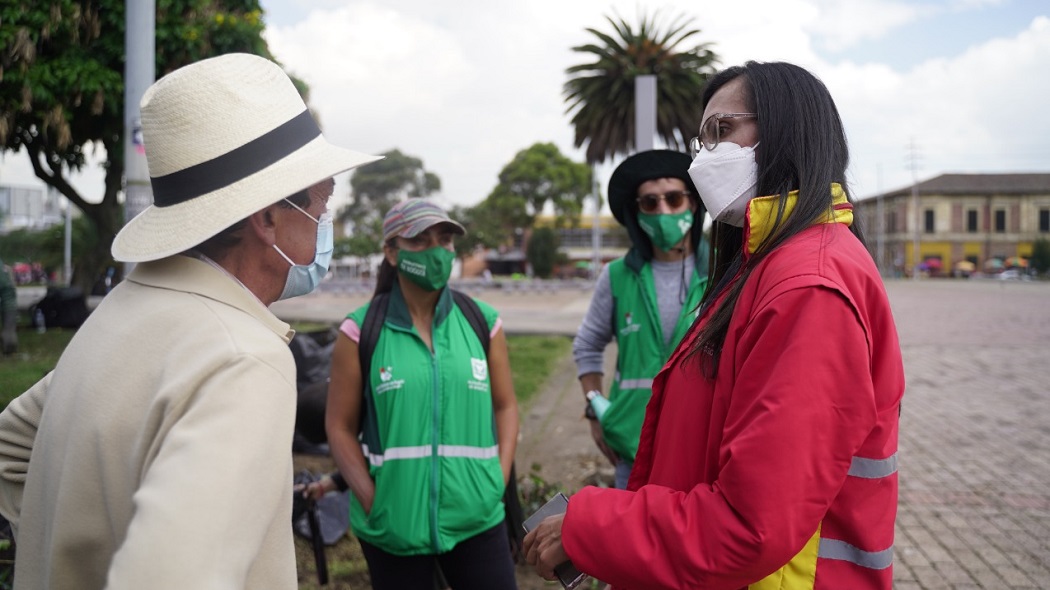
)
(711, 131)
(650, 203)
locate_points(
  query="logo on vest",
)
(387, 381)
(629, 326)
(480, 369)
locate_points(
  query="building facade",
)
(957, 221)
(29, 207)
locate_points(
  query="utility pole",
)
(880, 223)
(644, 112)
(139, 72)
(596, 228)
(913, 160)
(67, 246)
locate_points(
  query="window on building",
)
(928, 221)
(971, 221)
(1000, 221)
(1044, 220)
(891, 223)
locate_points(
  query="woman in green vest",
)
(425, 440)
(646, 300)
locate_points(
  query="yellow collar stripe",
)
(762, 214)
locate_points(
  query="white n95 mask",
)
(727, 179)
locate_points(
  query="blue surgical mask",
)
(304, 278)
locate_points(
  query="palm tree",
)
(602, 92)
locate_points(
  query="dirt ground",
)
(554, 444)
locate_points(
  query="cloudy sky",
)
(953, 85)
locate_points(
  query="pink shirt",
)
(353, 331)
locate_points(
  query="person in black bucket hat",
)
(647, 299)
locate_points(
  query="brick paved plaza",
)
(975, 435)
(975, 430)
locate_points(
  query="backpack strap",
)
(370, 327)
(473, 314)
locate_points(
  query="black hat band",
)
(222, 171)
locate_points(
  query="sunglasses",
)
(650, 203)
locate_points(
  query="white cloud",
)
(466, 88)
(844, 23)
(980, 111)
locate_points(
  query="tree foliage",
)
(47, 246)
(542, 251)
(1040, 258)
(62, 90)
(536, 176)
(601, 92)
(375, 189)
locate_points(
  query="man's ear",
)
(262, 224)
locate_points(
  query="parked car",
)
(1013, 274)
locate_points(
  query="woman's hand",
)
(315, 490)
(543, 548)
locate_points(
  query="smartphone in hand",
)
(567, 574)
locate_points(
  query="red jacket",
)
(781, 472)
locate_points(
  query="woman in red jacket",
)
(768, 455)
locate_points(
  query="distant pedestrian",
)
(157, 454)
(8, 311)
(768, 455)
(646, 300)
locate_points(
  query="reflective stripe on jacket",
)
(781, 471)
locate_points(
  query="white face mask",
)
(727, 179)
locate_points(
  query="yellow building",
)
(987, 220)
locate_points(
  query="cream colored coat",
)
(158, 453)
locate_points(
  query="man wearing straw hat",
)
(157, 453)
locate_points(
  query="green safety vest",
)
(641, 349)
(428, 435)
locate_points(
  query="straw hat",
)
(225, 137)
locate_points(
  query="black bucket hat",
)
(643, 166)
(623, 193)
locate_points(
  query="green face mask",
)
(429, 268)
(666, 230)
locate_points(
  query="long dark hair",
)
(802, 147)
(387, 273)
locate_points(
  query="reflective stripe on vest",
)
(424, 451)
(873, 468)
(636, 384)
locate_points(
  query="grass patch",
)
(37, 354)
(532, 359)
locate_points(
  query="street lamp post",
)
(915, 244)
(139, 72)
